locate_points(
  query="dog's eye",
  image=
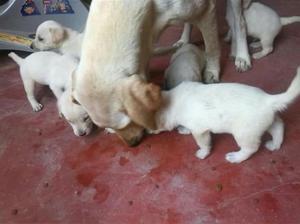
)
(40, 39)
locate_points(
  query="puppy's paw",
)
(242, 65)
(183, 131)
(202, 153)
(210, 77)
(271, 146)
(258, 55)
(255, 44)
(37, 107)
(233, 157)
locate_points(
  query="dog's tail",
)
(16, 58)
(288, 20)
(281, 101)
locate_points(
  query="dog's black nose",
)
(31, 46)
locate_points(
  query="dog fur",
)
(187, 64)
(264, 24)
(244, 111)
(51, 35)
(236, 21)
(74, 114)
(112, 86)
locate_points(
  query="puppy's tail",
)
(281, 101)
(16, 58)
(288, 20)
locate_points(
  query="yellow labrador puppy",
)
(124, 32)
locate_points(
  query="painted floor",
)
(48, 175)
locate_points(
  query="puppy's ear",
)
(141, 100)
(58, 34)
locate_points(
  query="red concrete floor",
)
(48, 175)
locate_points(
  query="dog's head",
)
(128, 106)
(49, 35)
(75, 115)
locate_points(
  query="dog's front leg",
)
(207, 23)
(242, 58)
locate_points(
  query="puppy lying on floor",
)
(244, 111)
(265, 24)
(49, 68)
(187, 64)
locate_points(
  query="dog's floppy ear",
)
(73, 83)
(141, 100)
(58, 34)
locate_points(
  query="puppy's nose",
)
(31, 46)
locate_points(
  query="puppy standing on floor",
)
(49, 68)
(244, 111)
(265, 24)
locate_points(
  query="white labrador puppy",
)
(49, 68)
(51, 35)
(264, 24)
(74, 114)
(244, 111)
(187, 64)
(46, 68)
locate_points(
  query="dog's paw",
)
(242, 65)
(183, 131)
(179, 43)
(233, 157)
(210, 77)
(37, 107)
(227, 37)
(202, 153)
(109, 131)
(271, 146)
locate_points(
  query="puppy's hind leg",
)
(29, 89)
(248, 146)
(267, 48)
(204, 142)
(276, 131)
(209, 28)
(255, 44)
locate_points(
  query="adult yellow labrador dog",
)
(112, 85)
